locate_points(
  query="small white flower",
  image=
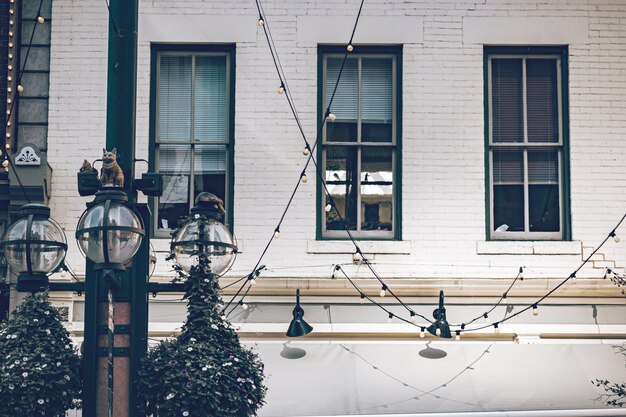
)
(169, 396)
(249, 401)
(58, 363)
(193, 339)
(47, 313)
(44, 365)
(204, 368)
(43, 355)
(236, 359)
(213, 326)
(64, 393)
(24, 374)
(13, 336)
(67, 377)
(40, 401)
(48, 331)
(186, 413)
(189, 349)
(11, 386)
(36, 320)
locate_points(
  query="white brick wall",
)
(443, 144)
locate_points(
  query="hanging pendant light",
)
(298, 326)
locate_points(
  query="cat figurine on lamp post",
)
(111, 174)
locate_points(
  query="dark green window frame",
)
(338, 51)
(530, 52)
(229, 51)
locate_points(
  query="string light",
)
(5, 163)
(306, 151)
(332, 117)
(504, 299)
(535, 310)
(350, 48)
(413, 317)
(422, 329)
(383, 291)
(573, 277)
(63, 273)
(486, 317)
(276, 233)
(303, 178)
(521, 273)
(8, 146)
(362, 301)
(390, 318)
(11, 11)
(20, 88)
(261, 22)
(328, 208)
(243, 305)
(281, 89)
(458, 335)
(614, 236)
(40, 19)
(496, 327)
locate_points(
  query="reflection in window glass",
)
(341, 177)
(376, 188)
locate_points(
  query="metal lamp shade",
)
(34, 246)
(109, 233)
(440, 323)
(298, 327)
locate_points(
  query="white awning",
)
(374, 378)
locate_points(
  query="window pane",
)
(507, 101)
(174, 98)
(174, 165)
(210, 100)
(341, 131)
(346, 101)
(508, 207)
(508, 166)
(544, 209)
(341, 177)
(376, 188)
(543, 166)
(210, 170)
(542, 100)
(377, 99)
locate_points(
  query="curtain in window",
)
(174, 98)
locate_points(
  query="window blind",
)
(507, 114)
(210, 99)
(209, 159)
(508, 166)
(174, 159)
(174, 98)
(377, 89)
(542, 100)
(543, 166)
(346, 102)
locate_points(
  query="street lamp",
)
(109, 233)
(34, 246)
(205, 234)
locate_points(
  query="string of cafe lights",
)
(308, 151)
(13, 95)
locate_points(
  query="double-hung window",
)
(192, 130)
(360, 147)
(527, 143)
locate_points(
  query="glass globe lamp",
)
(34, 246)
(109, 233)
(205, 233)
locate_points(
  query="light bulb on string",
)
(332, 117)
(11, 22)
(252, 281)
(350, 48)
(303, 178)
(261, 22)
(535, 310)
(383, 291)
(306, 151)
(243, 305)
(615, 237)
(281, 89)
(40, 19)
(9, 89)
(362, 300)
(276, 233)
(573, 277)
(9, 78)
(11, 11)
(457, 337)
(496, 327)
(9, 100)
(10, 67)
(413, 317)
(328, 208)
(486, 317)
(504, 299)
(8, 146)
(63, 273)
(20, 88)
(422, 329)
(390, 318)
(10, 33)
(521, 273)
(8, 135)
(10, 44)
(5, 163)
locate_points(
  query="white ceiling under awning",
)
(391, 378)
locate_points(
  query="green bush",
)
(39, 367)
(205, 372)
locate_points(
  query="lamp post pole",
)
(105, 395)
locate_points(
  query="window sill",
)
(382, 247)
(529, 247)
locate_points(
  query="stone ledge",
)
(499, 247)
(375, 247)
